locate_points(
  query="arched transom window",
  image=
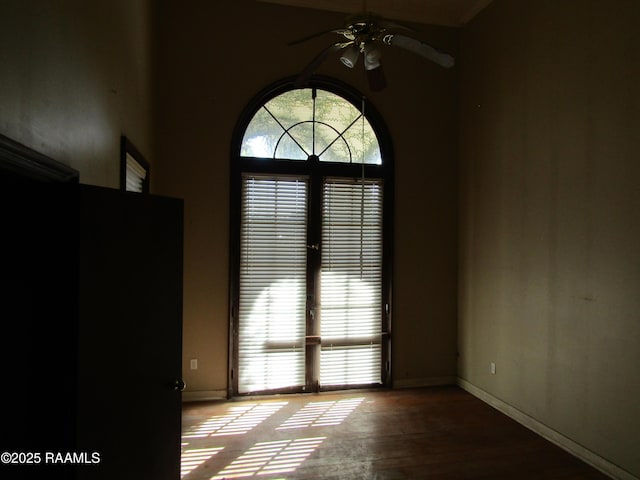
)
(311, 123)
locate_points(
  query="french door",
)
(310, 312)
(311, 243)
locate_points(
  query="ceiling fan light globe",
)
(350, 56)
(369, 65)
(347, 62)
(371, 57)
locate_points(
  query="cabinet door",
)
(129, 334)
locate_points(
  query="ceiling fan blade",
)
(389, 25)
(304, 76)
(376, 78)
(340, 31)
(421, 48)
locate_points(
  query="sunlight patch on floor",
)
(239, 420)
(271, 458)
(322, 414)
(193, 458)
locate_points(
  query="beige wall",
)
(550, 195)
(212, 59)
(74, 76)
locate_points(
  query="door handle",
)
(179, 386)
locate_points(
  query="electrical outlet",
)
(492, 368)
(194, 364)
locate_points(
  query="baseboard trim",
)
(207, 395)
(424, 382)
(204, 395)
(548, 433)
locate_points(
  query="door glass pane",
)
(351, 282)
(271, 315)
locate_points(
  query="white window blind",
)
(271, 317)
(351, 282)
(135, 175)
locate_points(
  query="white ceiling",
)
(451, 13)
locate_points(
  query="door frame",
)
(28, 163)
(316, 172)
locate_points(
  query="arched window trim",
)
(240, 165)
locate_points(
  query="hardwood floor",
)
(432, 433)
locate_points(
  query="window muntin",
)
(309, 122)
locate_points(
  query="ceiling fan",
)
(363, 35)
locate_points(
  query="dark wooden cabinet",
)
(91, 318)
